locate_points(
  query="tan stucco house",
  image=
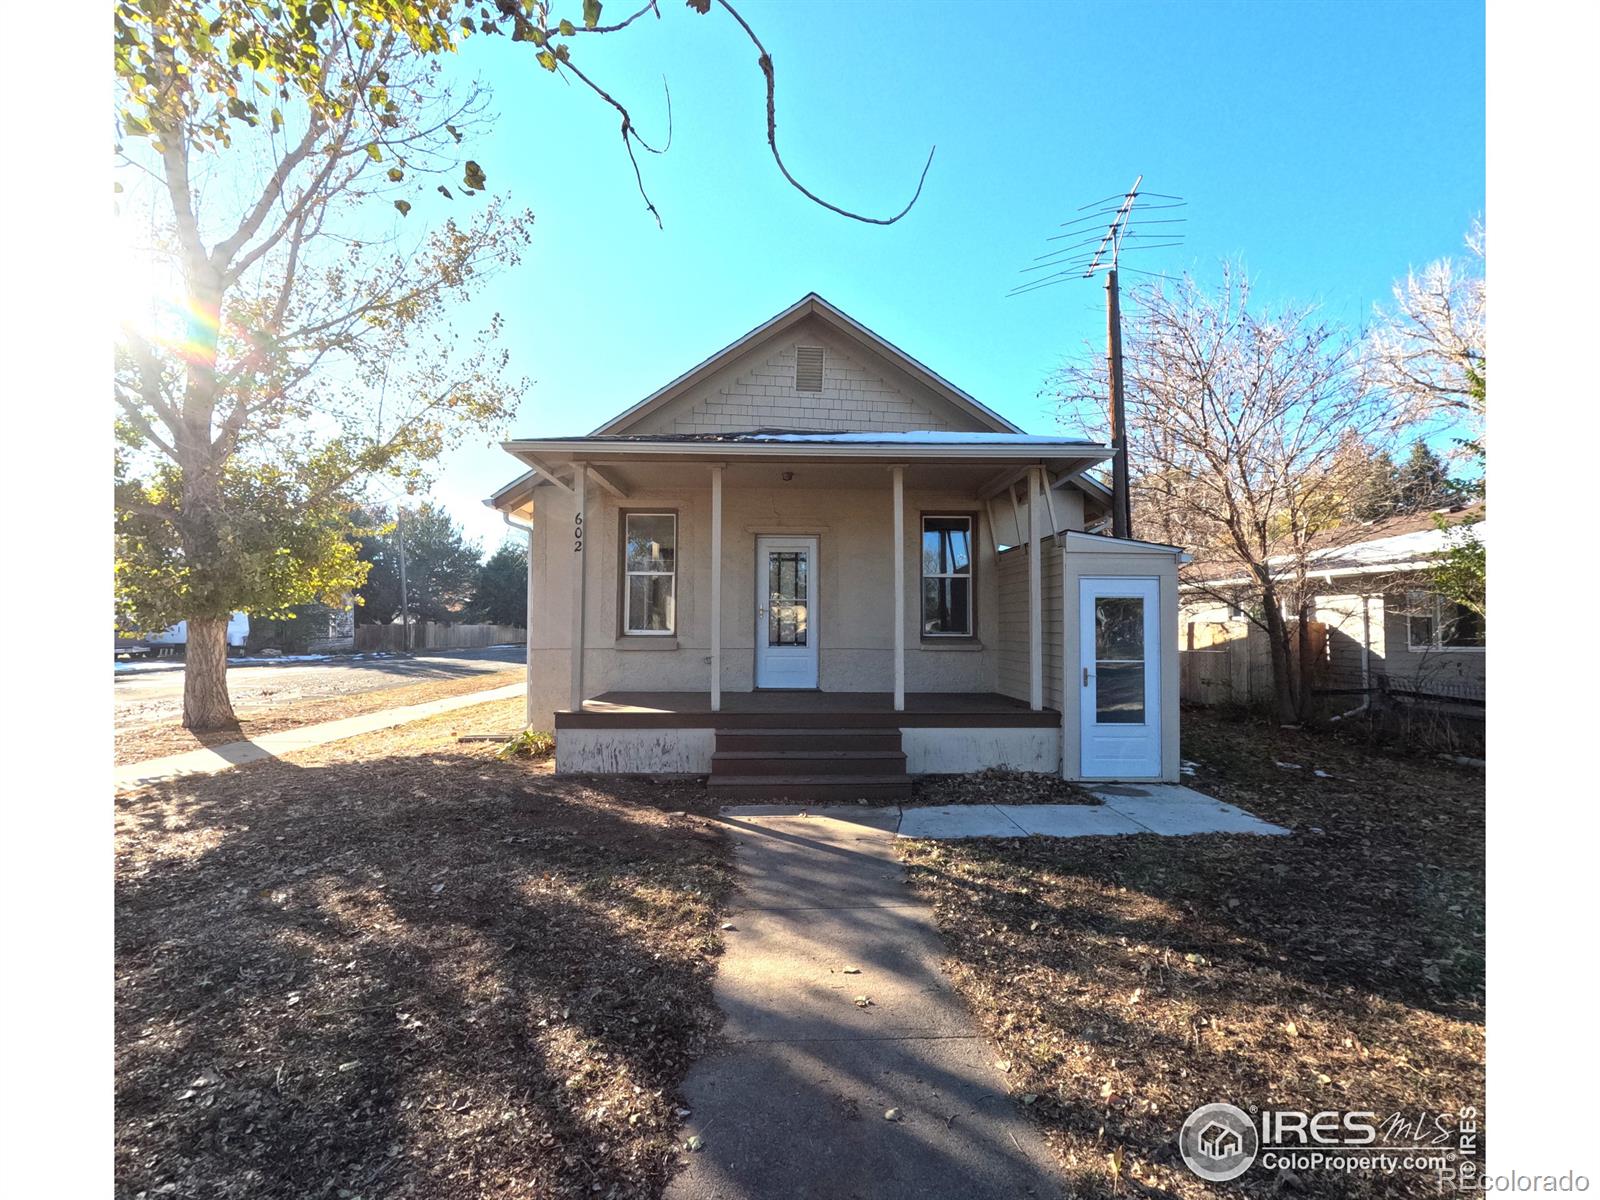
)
(810, 566)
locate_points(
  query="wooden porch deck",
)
(802, 710)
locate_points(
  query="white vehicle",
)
(178, 635)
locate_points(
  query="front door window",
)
(786, 597)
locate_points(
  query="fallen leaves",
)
(401, 961)
(1127, 981)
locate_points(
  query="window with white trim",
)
(1434, 622)
(946, 576)
(649, 573)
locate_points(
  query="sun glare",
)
(144, 291)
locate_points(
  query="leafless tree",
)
(1431, 348)
(1247, 429)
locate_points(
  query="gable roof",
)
(1408, 542)
(810, 305)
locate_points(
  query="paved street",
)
(154, 691)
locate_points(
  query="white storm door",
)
(786, 612)
(1119, 677)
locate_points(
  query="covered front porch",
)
(868, 565)
(819, 744)
(754, 710)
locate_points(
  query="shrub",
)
(530, 743)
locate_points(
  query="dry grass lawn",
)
(157, 739)
(398, 967)
(1129, 980)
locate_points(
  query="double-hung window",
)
(946, 576)
(1435, 623)
(650, 573)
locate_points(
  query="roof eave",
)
(542, 454)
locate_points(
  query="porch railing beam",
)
(580, 538)
(716, 588)
(899, 589)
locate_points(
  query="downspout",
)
(527, 622)
(1366, 671)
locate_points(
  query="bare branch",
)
(132, 409)
(765, 62)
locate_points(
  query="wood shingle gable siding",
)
(852, 398)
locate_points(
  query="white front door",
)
(786, 612)
(1119, 648)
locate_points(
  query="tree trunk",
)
(1303, 657)
(205, 676)
(1278, 642)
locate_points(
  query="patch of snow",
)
(940, 437)
(1288, 766)
(281, 658)
(1403, 547)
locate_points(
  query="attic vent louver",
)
(808, 368)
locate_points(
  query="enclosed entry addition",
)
(1120, 678)
(786, 612)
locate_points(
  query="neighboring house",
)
(810, 566)
(1386, 629)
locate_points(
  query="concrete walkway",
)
(211, 759)
(1165, 808)
(837, 1013)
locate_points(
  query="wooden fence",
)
(436, 635)
(1231, 662)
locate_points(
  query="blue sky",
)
(1327, 146)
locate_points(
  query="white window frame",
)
(628, 574)
(1414, 600)
(970, 574)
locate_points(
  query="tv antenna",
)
(1089, 251)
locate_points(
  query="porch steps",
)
(822, 765)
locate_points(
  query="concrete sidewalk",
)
(211, 759)
(1165, 808)
(837, 1012)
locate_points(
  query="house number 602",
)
(577, 534)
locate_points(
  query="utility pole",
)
(1078, 260)
(405, 606)
(1121, 506)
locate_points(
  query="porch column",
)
(1035, 589)
(527, 628)
(580, 478)
(899, 589)
(1069, 708)
(716, 588)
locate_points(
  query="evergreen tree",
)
(441, 568)
(1422, 483)
(500, 596)
(1375, 494)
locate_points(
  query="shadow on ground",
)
(419, 975)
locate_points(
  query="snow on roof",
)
(912, 437)
(920, 437)
(1405, 547)
(1403, 543)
